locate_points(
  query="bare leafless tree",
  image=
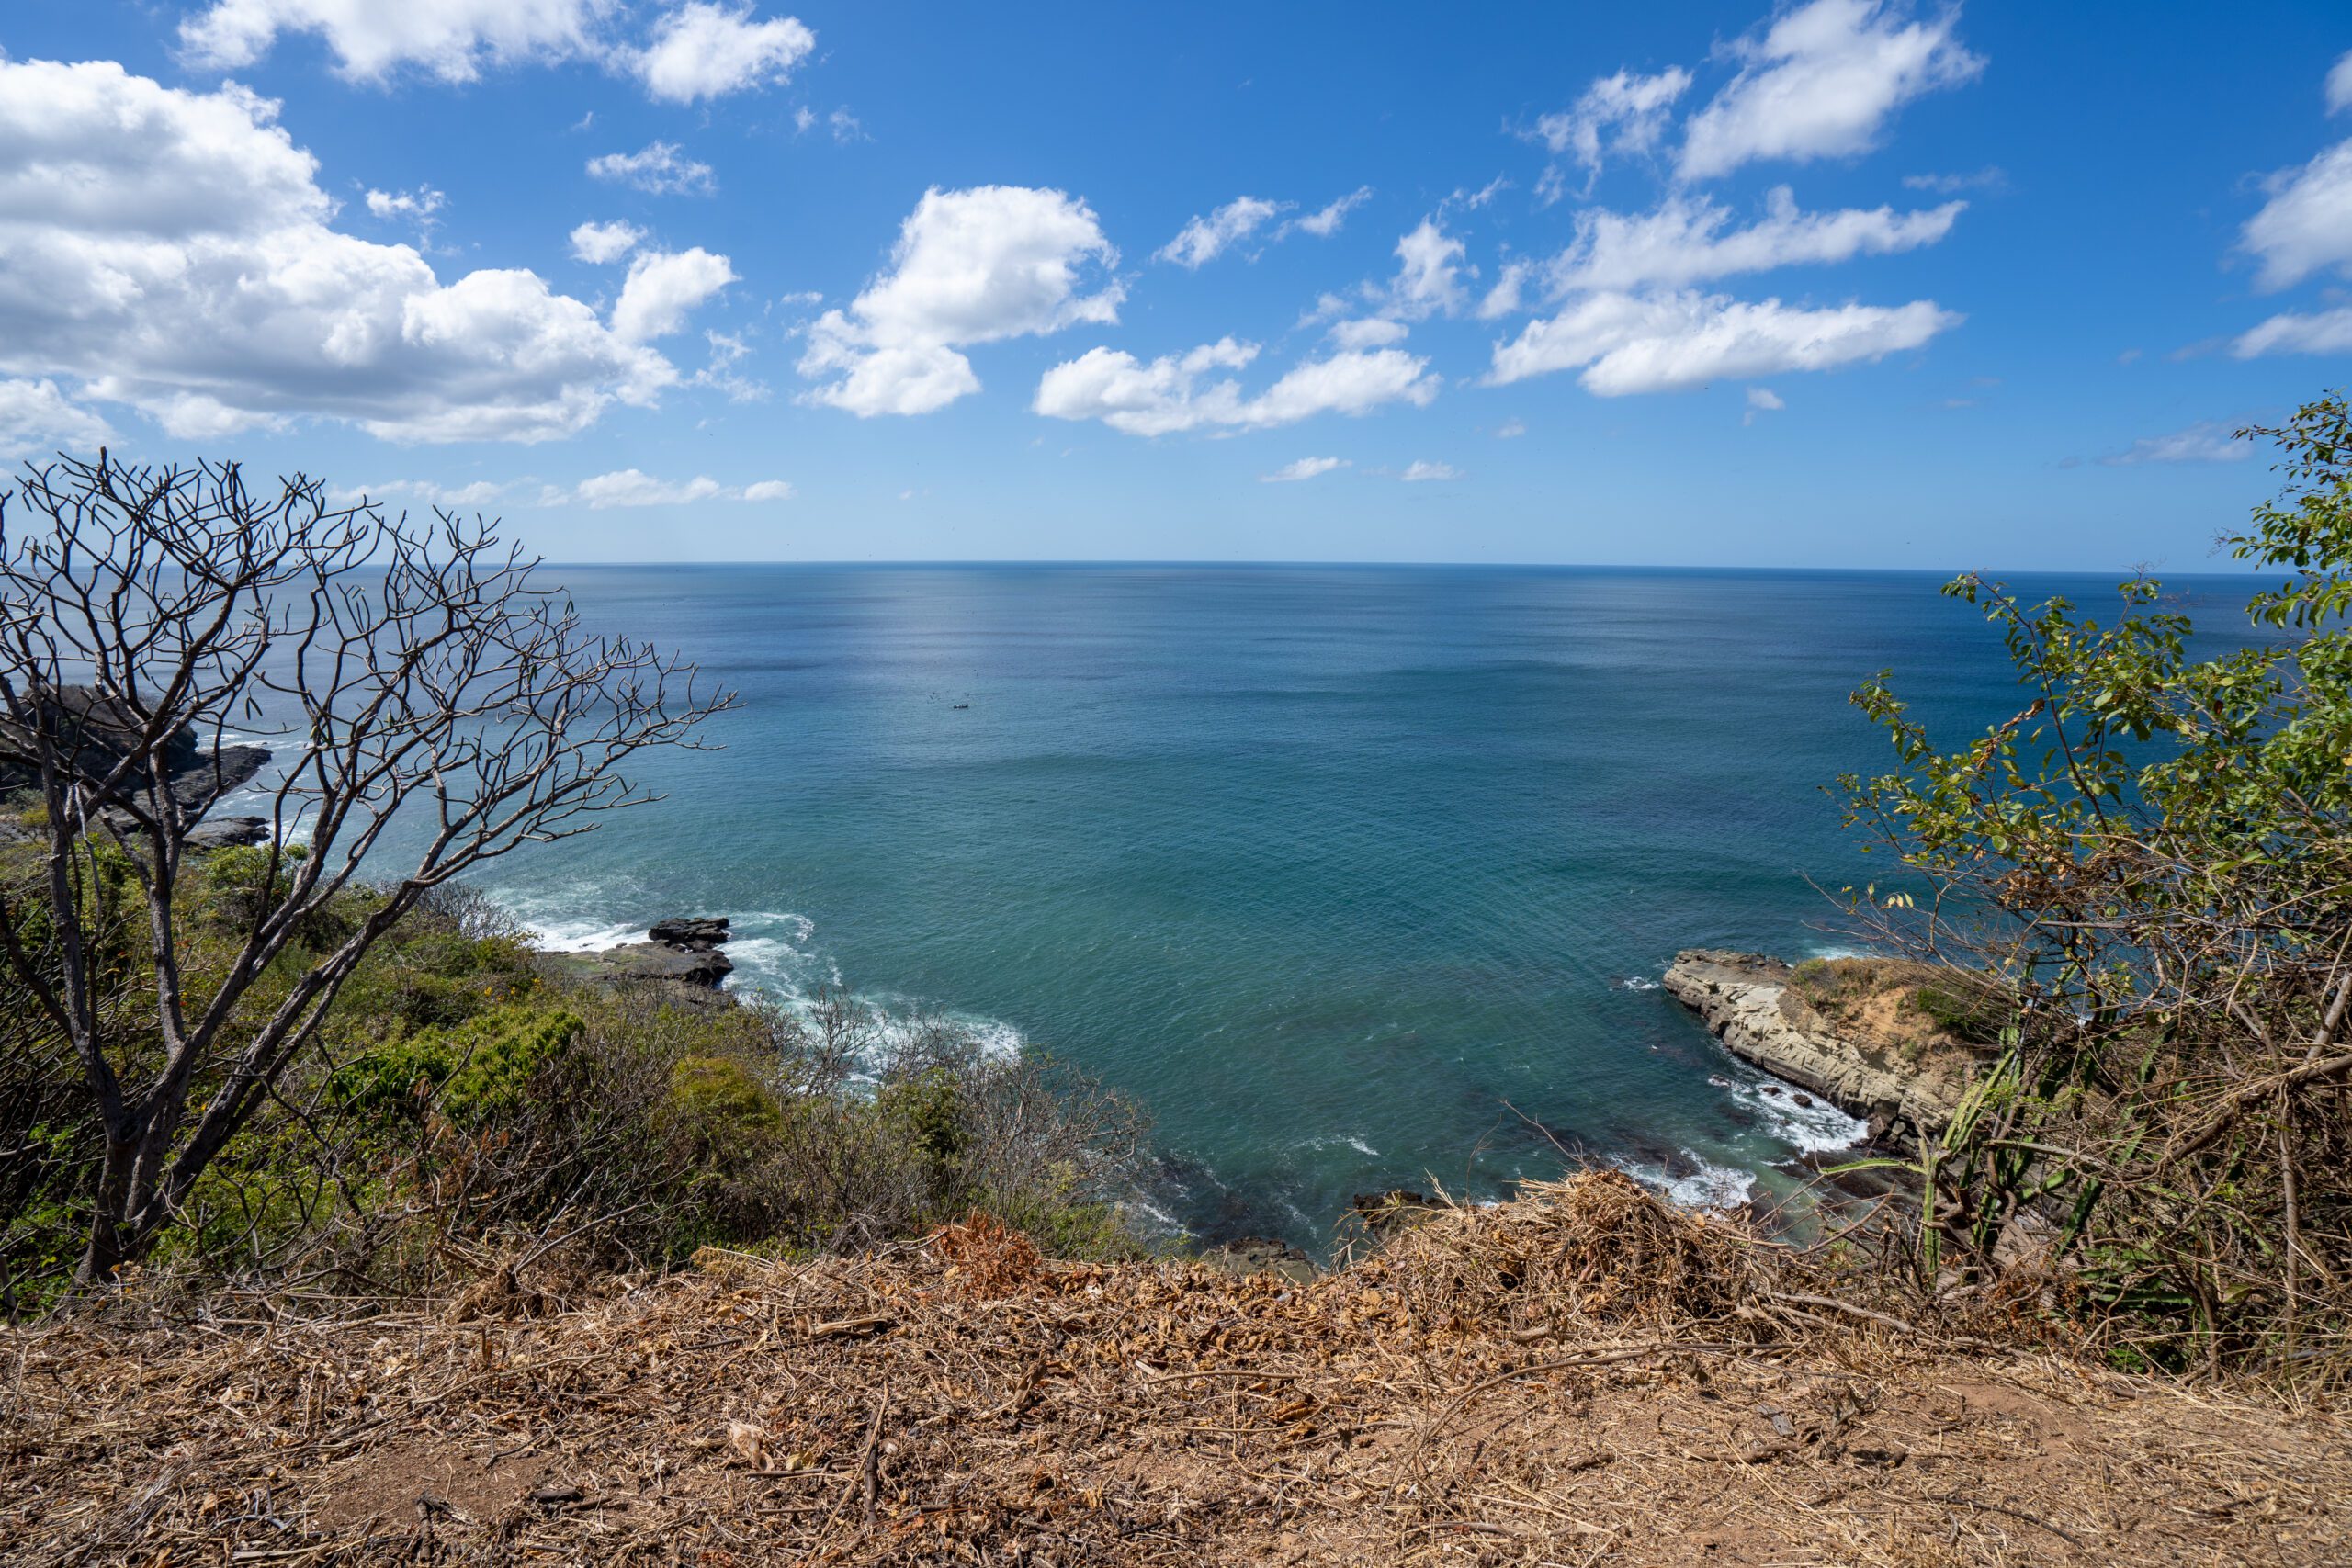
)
(411, 670)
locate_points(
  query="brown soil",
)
(1583, 1376)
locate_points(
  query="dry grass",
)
(1580, 1377)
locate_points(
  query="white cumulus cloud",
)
(1161, 395)
(1369, 332)
(1624, 113)
(453, 39)
(36, 416)
(659, 167)
(970, 266)
(1324, 221)
(663, 288)
(702, 49)
(2339, 85)
(634, 487)
(1304, 468)
(2323, 332)
(171, 250)
(602, 243)
(1626, 343)
(1203, 239)
(1822, 82)
(1688, 240)
(1420, 472)
(1428, 273)
(2306, 226)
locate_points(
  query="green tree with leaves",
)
(2155, 854)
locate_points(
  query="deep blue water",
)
(1355, 877)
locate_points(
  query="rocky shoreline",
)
(678, 962)
(1904, 1078)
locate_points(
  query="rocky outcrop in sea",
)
(1903, 1087)
(100, 732)
(679, 960)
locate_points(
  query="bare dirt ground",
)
(1582, 1377)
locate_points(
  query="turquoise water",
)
(1355, 877)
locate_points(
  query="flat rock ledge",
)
(1751, 1003)
(678, 960)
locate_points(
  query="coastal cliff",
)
(1876, 1037)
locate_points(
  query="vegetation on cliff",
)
(2154, 857)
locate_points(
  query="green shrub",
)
(718, 1110)
(481, 1068)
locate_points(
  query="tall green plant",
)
(2156, 854)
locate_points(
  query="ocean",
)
(1355, 877)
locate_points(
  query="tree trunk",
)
(107, 1247)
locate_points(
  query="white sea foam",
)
(1635, 983)
(1708, 1186)
(1811, 1129)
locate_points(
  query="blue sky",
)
(1840, 284)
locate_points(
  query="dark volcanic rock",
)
(691, 932)
(229, 832)
(682, 960)
(97, 733)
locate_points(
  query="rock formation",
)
(98, 732)
(1905, 1081)
(681, 956)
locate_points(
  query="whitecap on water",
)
(1704, 1185)
(1817, 1128)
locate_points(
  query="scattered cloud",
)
(1203, 239)
(598, 244)
(1510, 430)
(1419, 472)
(844, 126)
(663, 288)
(1428, 269)
(1304, 468)
(2324, 331)
(726, 351)
(695, 50)
(2306, 226)
(1762, 399)
(1465, 199)
(1163, 396)
(1989, 179)
(1688, 240)
(970, 266)
(2209, 442)
(702, 50)
(417, 207)
(1624, 113)
(1369, 332)
(453, 39)
(1324, 221)
(459, 498)
(1822, 81)
(36, 416)
(1625, 344)
(172, 250)
(659, 167)
(634, 487)
(2339, 85)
